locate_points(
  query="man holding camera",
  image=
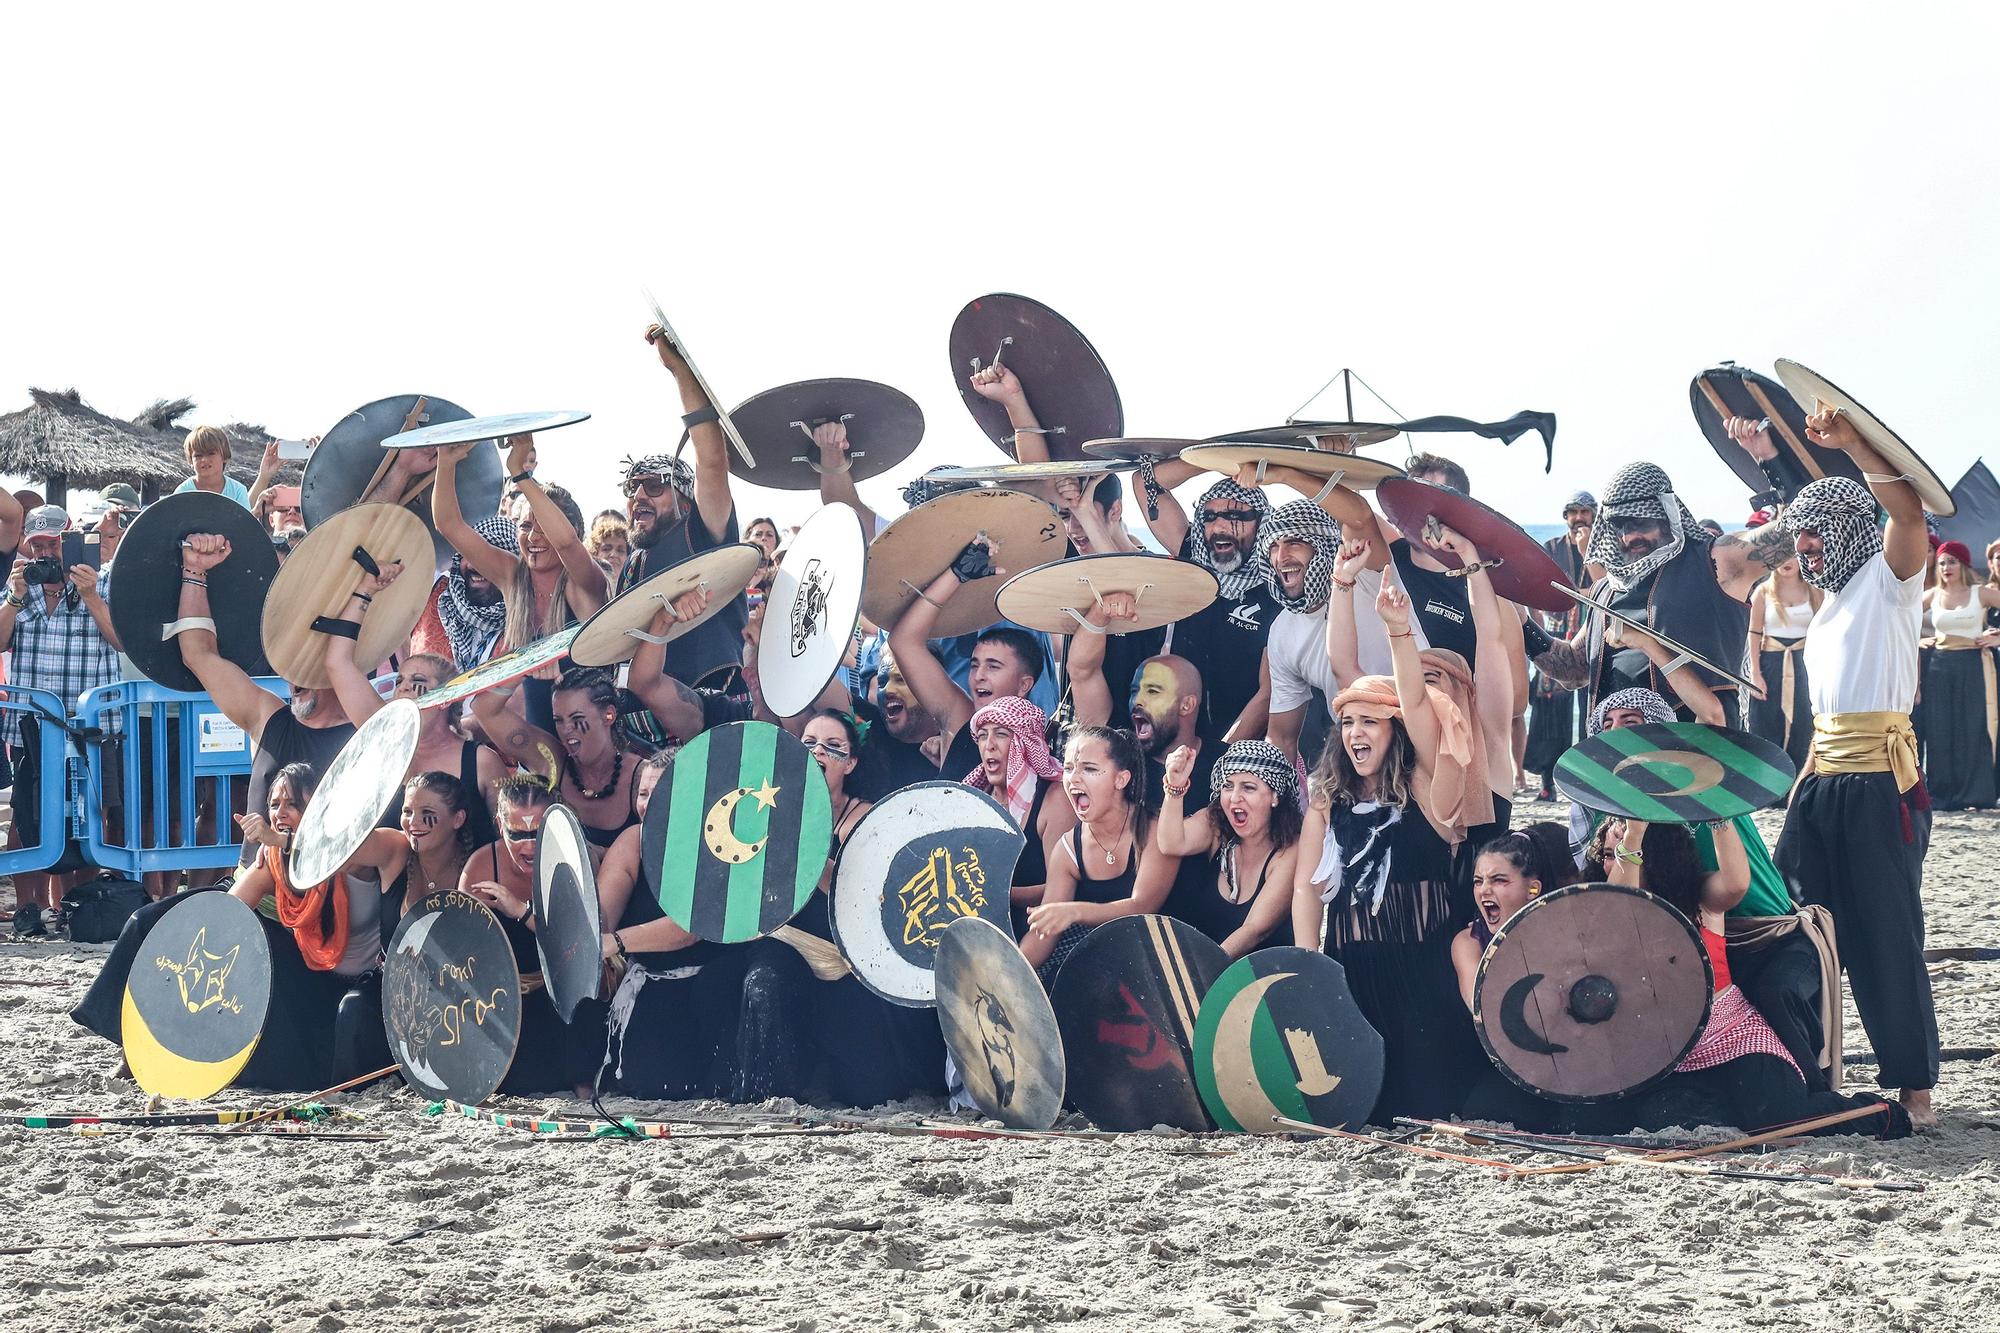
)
(57, 624)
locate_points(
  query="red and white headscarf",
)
(1028, 758)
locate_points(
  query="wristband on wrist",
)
(520, 477)
(1629, 857)
(1344, 586)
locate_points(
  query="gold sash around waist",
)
(1866, 743)
(1788, 682)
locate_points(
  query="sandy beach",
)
(893, 1232)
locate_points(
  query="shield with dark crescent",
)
(884, 427)
(737, 833)
(1137, 447)
(349, 461)
(999, 1026)
(474, 429)
(323, 573)
(1520, 569)
(1054, 470)
(1592, 992)
(145, 589)
(1812, 390)
(1349, 470)
(451, 999)
(1334, 436)
(1127, 1001)
(924, 856)
(197, 997)
(615, 631)
(1068, 386)
(1675, 773)
(356, 788)
(812, 609)
(1730, 390)
(1279, 1034)
(1055, 597)
(1021, 530)
(500, 670)
(568, 926)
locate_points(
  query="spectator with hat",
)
(57, 625)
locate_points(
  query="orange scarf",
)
(302, 913)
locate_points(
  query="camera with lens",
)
(43, 569)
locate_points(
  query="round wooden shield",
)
(1025, 472)
(506, 667)
(1730, 390)
(1127, 1001)
(1055, 597)
(1356, 473)
(1279, 1034)
(811, 610)
(1136, 447)
(1068, 387)
(1022, 530)
(920, 859)
(1809, 388)
(349, 458)
(884, 427)
(451, 999)
(195, 1003)
(356, 788)
(1675, 773)
(611, 635)
(568, 925)
(737, 832)
(145, 588)
(474, 429)
(1592, 992)
(1333, 435)
(998, 1025)
(322, 574)
(1525, 574)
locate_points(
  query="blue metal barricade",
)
(46, 713)
(158, 793)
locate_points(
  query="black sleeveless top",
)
(643, 905)
(479, 826)
(286, 740)
(1113, 890)
(1196, 899)
(1033, 867)
(1439, 601)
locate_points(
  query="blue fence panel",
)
(47, 713)
(165, 777)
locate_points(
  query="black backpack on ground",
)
(94, 912)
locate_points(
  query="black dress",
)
(1116, 889)
(1770, 717)
(1033, 866)
(1197, 899)
(1960, 713)
(1397, 955)
(680, 1014)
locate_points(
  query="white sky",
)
(284, 213)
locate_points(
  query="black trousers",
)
(1855, 845)
(1783, 981)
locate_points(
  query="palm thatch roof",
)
(59, 435)
(158, 423)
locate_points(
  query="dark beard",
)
(489, 596)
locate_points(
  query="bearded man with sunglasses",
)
(674, 511)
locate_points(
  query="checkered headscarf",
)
(1302, 520)
(1647, 702)
(1028, 758)
(1841, 513)
(472, 628)
(1255, 568)
(1640, 491)
(668, 466)
(1261, 760)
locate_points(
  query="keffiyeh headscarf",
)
(1841, 513)
(1261, 760)
(1640, 491)
(1302, 520)
(1646, 702)
(1255, 567)
(670, 467)
(1028, 758)
(472, 628)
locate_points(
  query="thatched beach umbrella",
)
(159, 424)
(60, 441)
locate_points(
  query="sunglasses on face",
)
(1633, 524)
(827, 748)
(1228, 515)
(654, 487)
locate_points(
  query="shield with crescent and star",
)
(738, 832)
(1675, 773)
(1279, 1034)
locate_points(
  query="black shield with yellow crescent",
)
(1675, 773)
(197, 997)
(738, 832)
(1280, 1034)
(1592, 992)
(1126, 1001)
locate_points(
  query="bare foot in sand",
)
(1917, 1101)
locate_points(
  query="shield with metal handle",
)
(1520, 569)
(349, 462)
(1067, 385)
(1057, 598)
(884, 427)
(1814, 391)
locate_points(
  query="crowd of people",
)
(1328, 755)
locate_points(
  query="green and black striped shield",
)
(1675, 773)
(737, 832)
